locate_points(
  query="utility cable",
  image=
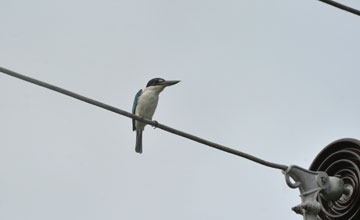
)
(150, 122)
(341, 6)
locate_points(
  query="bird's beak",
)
(170, 82)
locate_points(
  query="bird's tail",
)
(138, 146)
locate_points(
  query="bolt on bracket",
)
(312, 184)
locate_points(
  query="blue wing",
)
(138, 94)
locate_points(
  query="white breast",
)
(146, 106)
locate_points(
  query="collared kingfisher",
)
(145, 104)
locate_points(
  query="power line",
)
(153, 123)
(341, 6)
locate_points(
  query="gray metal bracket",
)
(311, 185)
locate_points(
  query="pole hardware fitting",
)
(311, 185)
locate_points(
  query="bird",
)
(145, 103)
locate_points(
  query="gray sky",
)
(276, 79)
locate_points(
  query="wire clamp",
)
(311, 185)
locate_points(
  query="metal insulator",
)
(341, 159)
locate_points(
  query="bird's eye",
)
(160, 80)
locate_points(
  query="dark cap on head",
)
(154, 82)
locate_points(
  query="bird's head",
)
(159, 84)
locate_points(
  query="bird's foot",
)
(156, 124)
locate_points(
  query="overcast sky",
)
(277, 79)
